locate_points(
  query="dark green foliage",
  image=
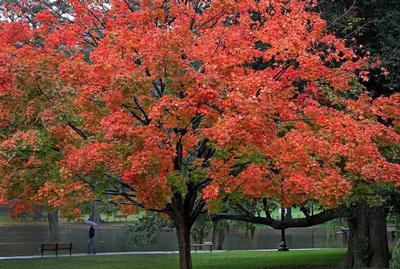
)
(201, 228)
(395, 261)
(148, 228)
(391, 195)
(220, 230)
(373, 26)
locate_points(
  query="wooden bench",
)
(56, 247)
(205, 244)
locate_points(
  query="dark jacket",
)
(91, 232)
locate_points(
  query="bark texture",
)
(368, 243)
(95, 214)
(52, 217)
(183, 235)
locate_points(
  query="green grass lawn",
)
(224, 260)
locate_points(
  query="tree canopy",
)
(177, 106)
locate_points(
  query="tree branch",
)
(305, 212)
(279, 74)
(319, 218)
(69, 123)
(77, 130)
(143, 121)
(147, 120)
(197, 210)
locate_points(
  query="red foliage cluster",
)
(132, 89)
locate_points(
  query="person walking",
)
(91, 246)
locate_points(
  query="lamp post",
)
(283, 246)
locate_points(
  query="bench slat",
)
(56, 246)
(64, 246)
(49, 247)
(205, 244)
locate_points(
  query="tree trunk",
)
(183, 235)
(95, 214)
(214, 232)
(218, 236)
(37, 215)
(368, 244)
(52, 217)
(288, 213)
(221, 238)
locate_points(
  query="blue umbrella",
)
(91, 223)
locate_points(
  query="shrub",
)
(395, 261)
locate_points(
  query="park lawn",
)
(220, 260)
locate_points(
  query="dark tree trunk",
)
(214, 232)
(183, 235)
(218, 236)
(185, 209)
(95, 214)
(184, 213)
(52, 217)
(221, 238)
(368, 244)
(288, 213)
(37, 215)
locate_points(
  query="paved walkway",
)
(85, 254)
(131, 253)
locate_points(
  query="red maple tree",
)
(174, 106)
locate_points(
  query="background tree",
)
(371, 27)
(147, 229)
